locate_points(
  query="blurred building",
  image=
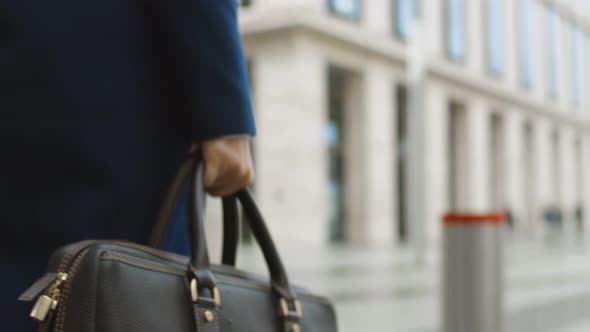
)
(506, 113)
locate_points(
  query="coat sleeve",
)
(202, 42)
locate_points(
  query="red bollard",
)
(472, 276)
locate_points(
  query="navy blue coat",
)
(100, 101)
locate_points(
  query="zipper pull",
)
(41, 308)
(49, 300)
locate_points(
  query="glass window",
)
(455, 29)
(349, 9)
(575, 45)
(401, 127)
(334, 137)
(494, 45)
(406, 12)
(552, 38)
(525, 42)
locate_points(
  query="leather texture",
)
(116, 286)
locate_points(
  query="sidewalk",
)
(547, 286)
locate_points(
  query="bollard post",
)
(472, 273)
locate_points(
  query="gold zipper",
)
(54, 294)
(61, 309)
(50, 299)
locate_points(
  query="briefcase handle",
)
(231, 227)
(199, 265)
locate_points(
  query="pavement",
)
(547, 284)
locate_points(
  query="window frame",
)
(462, 59)
(488, 40)
(576, 64)
(551, 57)
(397, 27)
(525, 43)
(356, 18)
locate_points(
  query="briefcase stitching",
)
(138, 262)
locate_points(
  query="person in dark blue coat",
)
(100, 101)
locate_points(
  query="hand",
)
(228, 164)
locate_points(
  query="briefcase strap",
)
(206, 316)
(204, 293)
(231, 222)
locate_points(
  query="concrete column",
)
(579, 180)
(291, 108)
(567, 178)
(378, 17)
(585, 69)
(510, 49)
(437, 158)
(478, 156)
(355, 163)
(369, 167)
(585, 181)
(475, 36)
(513, 147)
(380, 149)
(542, 193)
(528, 172)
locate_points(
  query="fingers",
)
(228, 165)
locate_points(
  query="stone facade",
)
(541, 154)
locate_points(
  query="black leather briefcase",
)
(116, 286)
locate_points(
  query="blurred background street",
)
(547, 285)
(377, 117)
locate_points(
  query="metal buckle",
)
(285, 308)
(195, 293)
